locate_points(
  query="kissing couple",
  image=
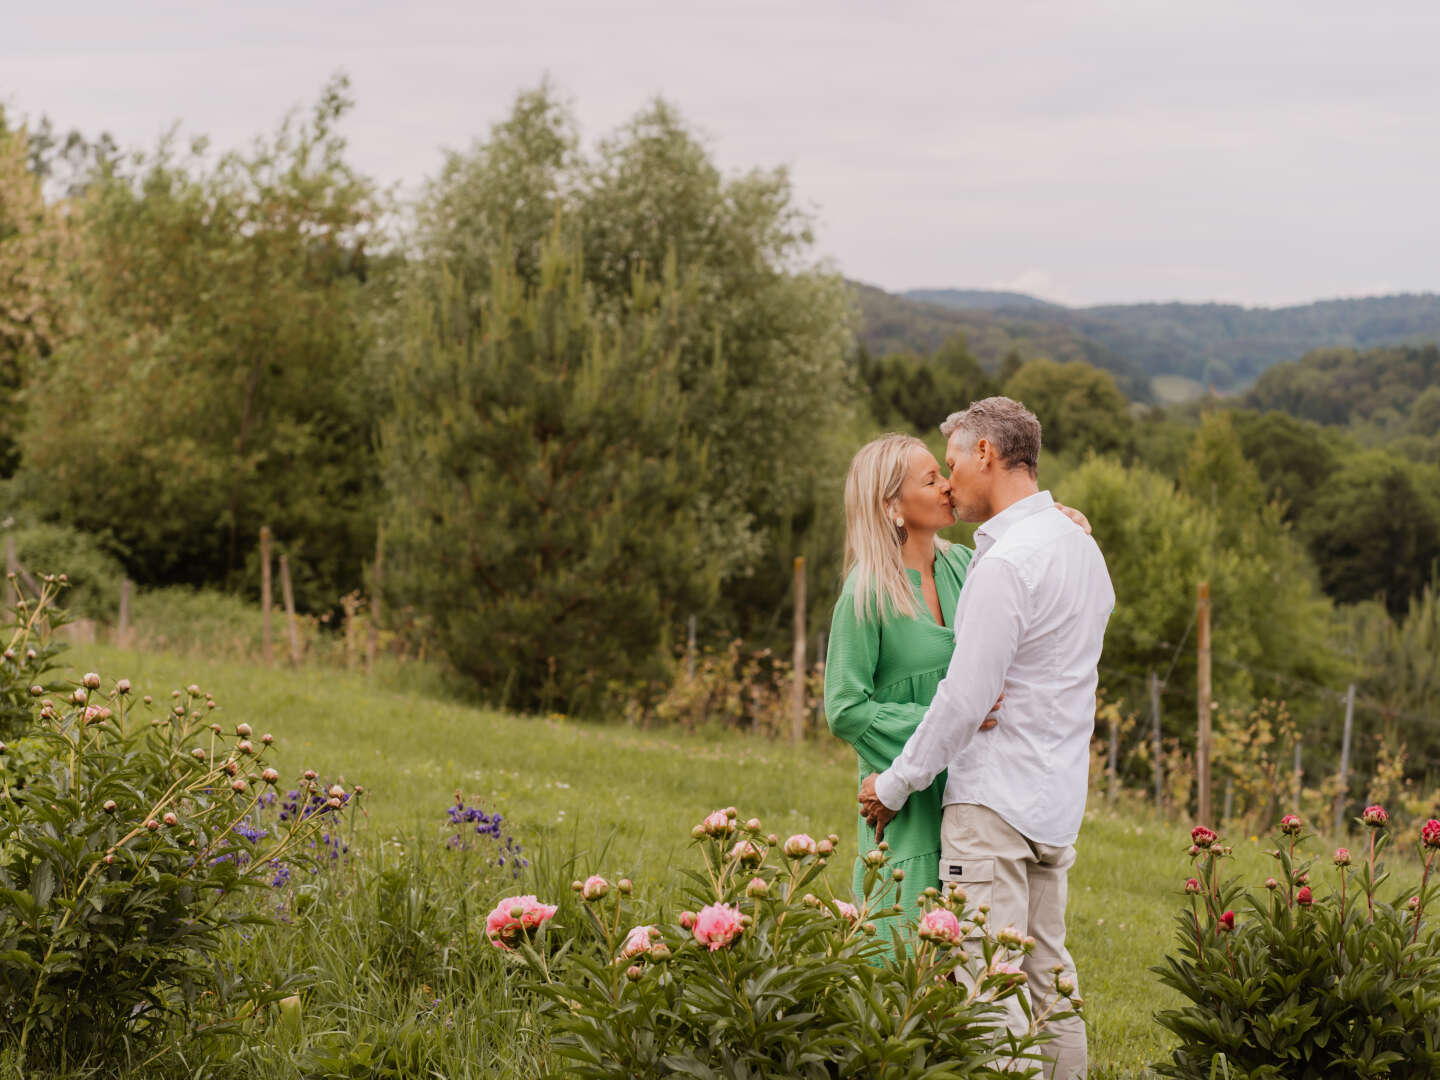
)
(965, 680)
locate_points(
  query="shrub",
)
(768, 975)
(124, 860)
(93, 572)
(1282, 982)
(29, 652)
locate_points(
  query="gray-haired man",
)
(1030, 623)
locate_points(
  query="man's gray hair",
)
(1008, 426)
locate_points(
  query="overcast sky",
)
(1256, 152)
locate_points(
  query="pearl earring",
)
(899, 522)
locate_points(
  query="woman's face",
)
(924, 499)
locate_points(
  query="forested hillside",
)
(1223, 345)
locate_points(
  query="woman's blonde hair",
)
(872, 543)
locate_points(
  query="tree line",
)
(590, 390)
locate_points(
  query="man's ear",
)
(984, 452)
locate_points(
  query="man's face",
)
(969, 489)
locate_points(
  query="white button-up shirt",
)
(1031, 622)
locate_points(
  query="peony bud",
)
(1342, 856)
(334, 804)
(310, 774)
(148, 700)
(595, 888)
(660, 952)
(78, 697)
(753, 825)
(1227, 922)
(171, 820)
(1375, 817)
(757, 888)
(799, 846)
(193, 690)
(1290, 825)
(109, 806)
(1192, 886)
(1271, 883)
(243, 730)
(1203, 837)
(152, 825)
(825, 848)
(267, 738)
(270, 776)
(245, 747)
(336, 791)
(633, 972)
(237, 784)
(91, 681)
(1010, 937)
(109, 860)
(1304, 897)
(687, 920)
(1430, 834)
(198, 754)
(625, 886)
(122, 686)
(37, 690)
(1413, 903)
(1064, 986)
(897, 874)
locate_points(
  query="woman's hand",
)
(992, 717)
(1075, 516)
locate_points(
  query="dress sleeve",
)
(878, 731)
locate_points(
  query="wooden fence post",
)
(1155, 734)
(1344, 775)
(122, 630)
(373, 644)
(265, 594)
(690, 648)
(1112, 771)
(289, 594)
(797, 705)
(1202, 741)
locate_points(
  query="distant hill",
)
(1223, 345)
(976, 299)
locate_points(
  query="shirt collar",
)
(991, 531)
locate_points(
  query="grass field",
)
(622, 801)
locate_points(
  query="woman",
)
(890, 638)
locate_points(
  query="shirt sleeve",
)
(992, 615)
(878, 731)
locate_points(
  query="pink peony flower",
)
(1430, 834)
(717, 926)
(847, 911)
(800, 845)
(939, 925)
(1005, 969)
(515, 917)
(687, 920)
(1203, 837)
(595, 888)
(1375, 817)
(718, 824)
(1304, 897)
(1290, 825)
(638, 942)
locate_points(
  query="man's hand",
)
(993, 716)
(876, 813)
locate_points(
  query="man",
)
(1030, 623)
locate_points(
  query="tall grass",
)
(397, 978)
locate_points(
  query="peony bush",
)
(129, 840)
(765, 973)
(1321, 972)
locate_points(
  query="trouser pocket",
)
(976, 876)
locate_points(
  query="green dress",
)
(880, 675)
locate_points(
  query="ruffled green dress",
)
(880, 676)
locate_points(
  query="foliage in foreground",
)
(126, 849)
(765, 978)
(1303, 987)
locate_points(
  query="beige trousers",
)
(1025, 885)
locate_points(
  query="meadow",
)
(391, 962)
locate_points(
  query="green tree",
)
(1295, 458)
(919, 392)
(1374, 530)
(762, 343)
(544, 487)
(220, 382)
(1079, 406)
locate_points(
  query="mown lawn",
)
(623, 801)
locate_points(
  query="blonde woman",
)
(890, 638)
